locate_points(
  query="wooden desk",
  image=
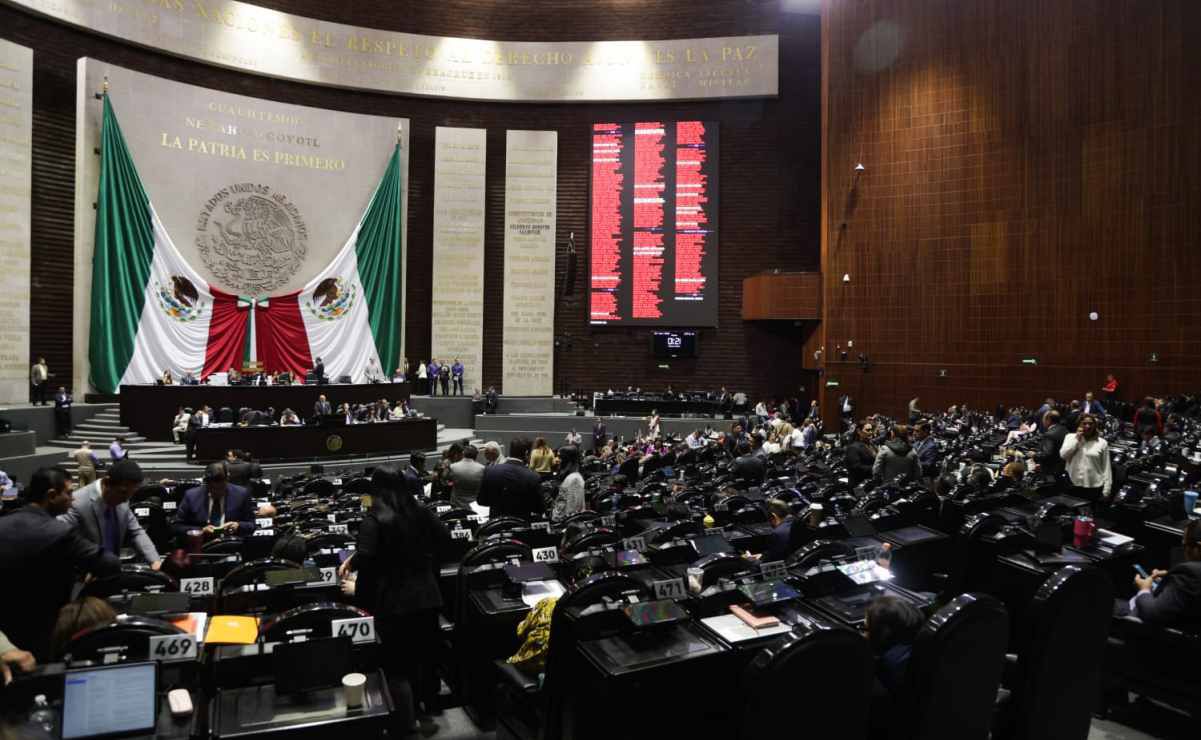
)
(277, 443)
(149, 409)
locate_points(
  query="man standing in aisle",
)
(40, 558)
(100, 513)
(87, 461)
(39, 375)
(456, 373)
(600, 436)
(196, 422)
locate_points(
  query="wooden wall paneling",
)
(1025, 167)
(783, 296)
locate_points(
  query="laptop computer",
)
(710, 544)
(110, 701)
(655, 613)
(768, 593)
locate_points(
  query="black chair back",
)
(677, 530)
(1060, 653)
(253, 572)
(307, 620)
(750, 515)
(495, 551)
(127, 636)
(320, 487)
(581, 518)
(951, 681)
(817, 551)
(591, 538)
(723, 565)
(562, 658)
(501, 524)
(223, 546)
(830, 667)
(328, 541)
(147, 492)
(130, 579)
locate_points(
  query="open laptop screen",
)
(110, 701)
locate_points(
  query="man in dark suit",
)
(1176, 600)
(509, 487)
(1091, 406)
(39, 559)
(926, 447)
(779, 515)
(100, 513)
(216, 507)
(319, 371)
(749, 467)
(322, 407)
(860, 455)
(1047, 456)
(62, 412)
(197, 421)
(600, 435)
(242, 469)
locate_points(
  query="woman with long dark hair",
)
(400, 547)
(570, 498)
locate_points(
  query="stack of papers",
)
(1113, 539)
(865, 571)
(733, 630)
(194, 623)
(534, 591)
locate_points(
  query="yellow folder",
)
(228, 629)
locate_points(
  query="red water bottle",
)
(1084, 530)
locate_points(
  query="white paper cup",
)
(354, 684)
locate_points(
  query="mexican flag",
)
(352, 308)
(152, 312)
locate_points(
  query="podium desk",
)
(149, 409)
(274, 443)
(258, 712)
(673, 681)
(490, 633)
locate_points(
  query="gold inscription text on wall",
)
(264, 41)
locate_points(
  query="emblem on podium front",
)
(333, 443)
